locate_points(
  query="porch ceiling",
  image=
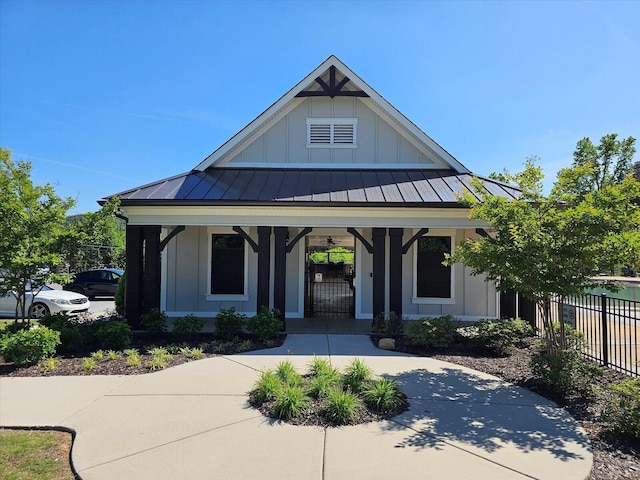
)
(346, 187)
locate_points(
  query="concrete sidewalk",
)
(193, 422)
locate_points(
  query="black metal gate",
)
(330, 292)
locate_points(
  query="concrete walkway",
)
(193, 422)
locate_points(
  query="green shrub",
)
(29, 346)
(110, 333)
(157, 363)
(387, 324)
(187, 325)
(265, 325)
(383, 396)
(119, 298)
(70, 334)
(499, 336)
(48, 364)
(320, 386)
(290, 402)
(321, 366)
(155, 321)
(229, 323)
(97, 355)
(342, 406)
(565, 372)
(623, 408)
(195, 353)
(88, 364)
(356, 375)
(266, 387)
(287, 373)
(438, 332)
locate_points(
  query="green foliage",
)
(290, 402)
(320, 386)
(437, 332)
(157, 363)
(133, 359)
(160, 352)
(229, 323)
(110, 334)
(265, 325)
(32, 231)
(287, 373)
(154, 321)
(342, 406)
(543, 246)
(266, 387)
(384, 396)
(565, 373)
(119, 298)
(387, 324)
(499, 336)
(88, 364)
(29, 346)
(321, 366)
(70, 334)
(98, 355)
(623, 408)
(195, 353)
(188, 325)
(112, 355)
(96, 238)
(48, 364)
(356, 375)
(333, 255)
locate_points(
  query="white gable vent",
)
(331, 132)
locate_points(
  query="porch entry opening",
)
(330, 270)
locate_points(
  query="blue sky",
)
(102, 96)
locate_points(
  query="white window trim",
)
(332, 122)
(434, 300)
(237, 297)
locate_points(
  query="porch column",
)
(395, 270)
(151, 282)
(508, 304)
(134, 269)
(379, 273)
(264, 265)
(280, 272)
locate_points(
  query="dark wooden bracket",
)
(333, 89)
(412, 240)
(482, 232)
(172, 233)
(296, 239)
(359, 236)
(250, 241)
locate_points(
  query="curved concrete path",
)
(193, 422)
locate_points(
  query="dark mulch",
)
(613, 457)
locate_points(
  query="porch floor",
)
(328, 325)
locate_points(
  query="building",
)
(330, 164)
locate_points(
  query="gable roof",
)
(321, 187)
(323, 81)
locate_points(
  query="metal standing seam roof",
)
(351, 187)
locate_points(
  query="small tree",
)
(544, 246)
(31, 233)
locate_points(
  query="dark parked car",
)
(101, 282)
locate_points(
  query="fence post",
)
(605, 330)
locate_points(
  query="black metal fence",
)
(611, 327)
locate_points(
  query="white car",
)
(46, 301)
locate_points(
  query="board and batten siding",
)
(285, 142)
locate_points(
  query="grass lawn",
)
(35, 454)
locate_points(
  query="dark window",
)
(434, 279)
(227, 264)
